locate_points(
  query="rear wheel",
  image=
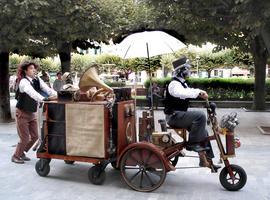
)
(96, 175)
(236, 180)
(142, 169)
(69, 162)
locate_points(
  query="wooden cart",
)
(85, 132)
(102, 133)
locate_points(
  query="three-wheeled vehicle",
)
(99, 129)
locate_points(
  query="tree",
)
(42, 28)
(15, 21)
(244, 24)
(67, 25)
(72, 24)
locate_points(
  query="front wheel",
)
(234, 181)
(42, 167)
(142, 169)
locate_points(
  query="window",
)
(215, 72)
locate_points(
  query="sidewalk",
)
(21, 182)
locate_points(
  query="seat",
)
(182, 132)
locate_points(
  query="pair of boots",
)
(207, 162)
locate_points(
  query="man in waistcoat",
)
(177, 114)
(28, 97)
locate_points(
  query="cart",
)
(85, 132)
(104, 132)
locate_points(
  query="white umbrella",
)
(147, 44)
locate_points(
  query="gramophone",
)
(91, 87)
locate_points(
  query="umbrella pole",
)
(151, 89)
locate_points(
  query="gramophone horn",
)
(90, 79)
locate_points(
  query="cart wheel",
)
(142, 169)
(240, 178)
(113, 164)
(174, 160)
(69, 162)
(42, 167)
(96, 175)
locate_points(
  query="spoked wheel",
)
(236, 182)
(69, 162)
(142, 169)
(42, 167)
(96, 175)
(174, 160)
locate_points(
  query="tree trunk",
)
(64, 51)
(209, 73)
(5, 114)
(260, 58)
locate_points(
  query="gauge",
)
(165, 138)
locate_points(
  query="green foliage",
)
(15, 22)
(108, 59)
(220, 88)
(14, 61)
(115, 84)
(48, 64)
(80, 63)
(162, 82)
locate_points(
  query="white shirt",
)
(25, 86)
(176, 89)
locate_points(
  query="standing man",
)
(28, 96)
(177, 114)
(58, 83)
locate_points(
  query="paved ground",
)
(20, 182)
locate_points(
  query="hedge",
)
(221, 88)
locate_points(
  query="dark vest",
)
(174, 103)
(25, 102)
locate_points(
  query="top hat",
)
(177, 64)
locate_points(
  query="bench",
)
(157, 100)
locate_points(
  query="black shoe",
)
(17, 160)
(196, 148)
(25, 158)
(214, 168)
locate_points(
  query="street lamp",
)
(197, 63)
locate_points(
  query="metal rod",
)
(187, 167)
(151, 89)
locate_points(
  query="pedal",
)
(182, 153)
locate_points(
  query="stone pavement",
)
(21, 182)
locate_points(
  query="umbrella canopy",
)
(147, 44)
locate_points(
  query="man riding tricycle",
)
(143, 168)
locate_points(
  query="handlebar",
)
(211, 107)
(207, 103)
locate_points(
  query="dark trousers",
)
(27, 128)
(195, 123)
